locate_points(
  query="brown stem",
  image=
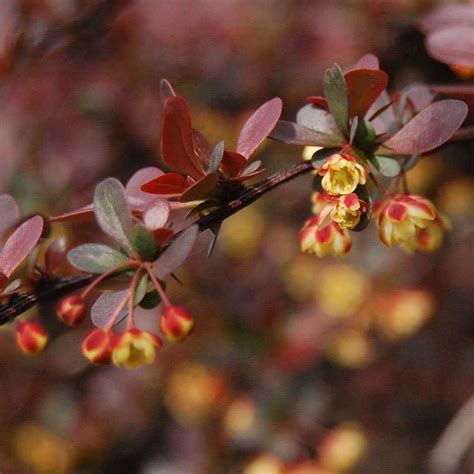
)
(52, 289)
(466, 133)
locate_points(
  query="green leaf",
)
(216, 157)
(387, 166)
(365, 136)
(95, 258)
(143, 242)
(362, 192)
(112, 212)
(317, 186)
(335, 90)
(150, 300)
(320, 156)
(140, 290)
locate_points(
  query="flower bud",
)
(96, 346)
(134, 347)
(30, 337)
(71, 309)
(176, 323)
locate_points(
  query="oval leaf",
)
(135, 196)
(167, 185)
(200, 190)
(143, 242)
(387, 166)
(453, 44)
(335, 90)
(95, 258)
(112, 211)
(429, 129)
(259, 126)
(176, 253)
(363, 88)
(156, 213)
(9, 212)
(294, 134)
(55, 254)
(318, 119)
(216, 157)
(20, 244)
(177, 146)
(106, 305)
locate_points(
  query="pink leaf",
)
(176, 253)
(20, 244)
(156, 213)
(135, 196)
(368, 61)
(105, 306)
(429, 129)
(453, 44)
(9, 212)
(259, 126)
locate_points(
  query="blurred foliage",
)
(355, 366)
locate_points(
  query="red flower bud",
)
(96, 346)
(30, 337)
(71, 309)
(176, 323)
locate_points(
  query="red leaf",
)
(318, 101)
(201, 189)
(162, 235)
(55, 254)
(20, 244)
(166, 89)
(177, 146)
(452, 45)
(203, 148)
(233, 163)
(259, 126)
(169, 183)
(135, 196)
(429, 129)
(364, 86)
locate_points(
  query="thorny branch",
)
(53, 289)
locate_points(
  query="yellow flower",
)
(133, 348)
(401, 217)
(330, 240)
(347, 211)
(341, 174)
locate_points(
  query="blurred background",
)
(335, 365)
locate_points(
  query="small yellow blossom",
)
(342, 174)
(134, 348)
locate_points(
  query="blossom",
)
(430, 238)
(96, 346)
(71, 309)
(401, 217)
(330, 240)
(176, 323)
(341, 174)
(134, 347)
(346, 210)
(31, 337)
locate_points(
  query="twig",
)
(53, 289)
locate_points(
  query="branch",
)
(53, 289)
(466, 133)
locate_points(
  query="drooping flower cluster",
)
(337, 209)
(355, 133)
